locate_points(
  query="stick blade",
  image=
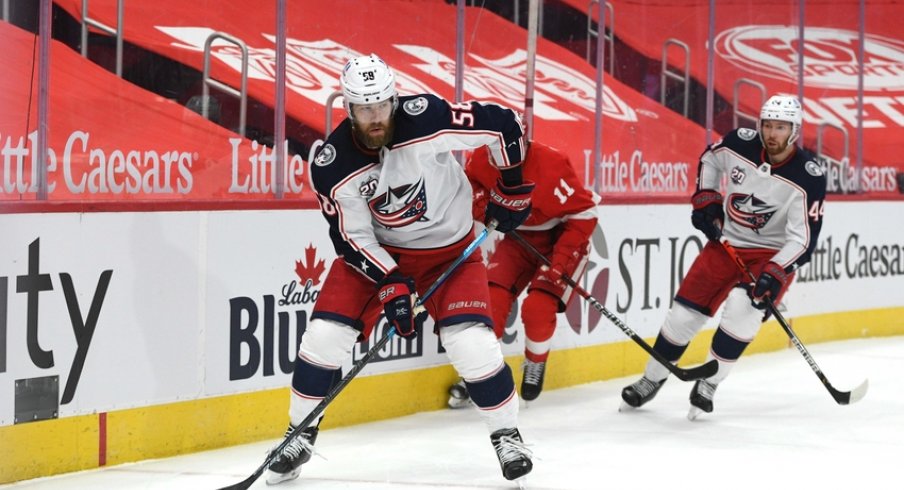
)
(853, 396)
(246, 483)
(699, 372)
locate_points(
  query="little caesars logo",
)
(830, 56)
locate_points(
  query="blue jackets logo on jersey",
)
(746, 134)
(326, 156)
(400, 206)
(415, 106)
(749, 211)
(814, 169)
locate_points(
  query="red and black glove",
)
(397, 293)
(509, 206)
(708, 214)
(772, 282)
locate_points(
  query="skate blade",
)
(274, 478)
(693, 413)
(624, 407)
(522, 482)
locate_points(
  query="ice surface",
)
(774, 427)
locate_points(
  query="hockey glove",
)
(772, 282)
(509, 206)
(562, 263)
(708, 214)
(398, 296)
(480, 200)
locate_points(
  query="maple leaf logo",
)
(311, 268)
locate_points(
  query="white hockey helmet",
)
(782, 107)
(367, 80)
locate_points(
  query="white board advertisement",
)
(135, 309)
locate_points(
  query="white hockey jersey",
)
(412, 193)
(775, 206)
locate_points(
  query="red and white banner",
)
(761, 44)
(647, 149)
(110, 140)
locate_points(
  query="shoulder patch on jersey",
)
(814, 168)
(326, 156)
(415, 106)
(746, 134)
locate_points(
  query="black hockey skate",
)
(514, 457)
(640, 392)
(458, 395)
(287, 465)
(532, 382)
(701, 398)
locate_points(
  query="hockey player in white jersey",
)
(771, 213)
(398, 206)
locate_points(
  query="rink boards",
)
(172, 332)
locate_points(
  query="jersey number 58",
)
(461, 114)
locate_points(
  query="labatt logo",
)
(269, 329)
(308, 271)
(830, 56)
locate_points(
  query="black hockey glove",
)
(397, 293)
(708, 215)
(772, 282)
(509, 206)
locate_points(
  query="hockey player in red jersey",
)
(398, 206)
(560, 225)
(771, 213)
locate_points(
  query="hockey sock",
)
(672, 352)
(496, 399)
(310, 384)
(493, 391)
(727, 350)
(539, 316)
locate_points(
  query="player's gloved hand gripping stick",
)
(699, 372)
(418, 307)
(841, 397)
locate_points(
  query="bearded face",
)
(775, 137)
(373, 123)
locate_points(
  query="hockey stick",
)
(247, 482)
(699, 372)
(841, 397)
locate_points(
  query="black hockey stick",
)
(247, 482)
(841, 397)
(699, 372)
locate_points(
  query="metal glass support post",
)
(710, 71)
(280, 145)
